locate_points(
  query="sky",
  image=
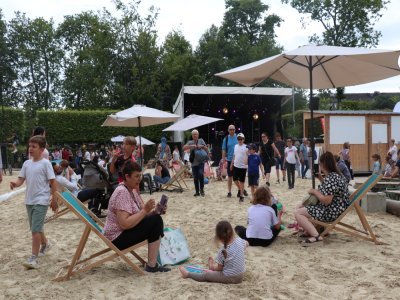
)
(194, 17)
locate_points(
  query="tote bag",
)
(173, 248)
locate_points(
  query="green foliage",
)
(247, 34)
(300, 102)
(355, 105)
(12, 121)
(291, 129)
(85, 127)
(385, 102)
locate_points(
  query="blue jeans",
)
(161, 180)
(198, 177)
(304, 168)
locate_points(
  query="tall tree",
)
(246, 34)
(89, 47)
(38, 61)
(179, 64)
(8, 92)
(137, 67)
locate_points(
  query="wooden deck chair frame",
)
(93, 224)
(62, 211)
(355, 198)
(209, 166)
(175, 181)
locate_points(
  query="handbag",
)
(173, 248)
(310, 200)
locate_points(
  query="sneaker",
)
(241, 199)
(229, 195)
(31, 263)
(245, 193)
(196, 195)
(14, 151)
(278, 181)
(156, 268)
(202, 193)
(267, 183)
(45, 248)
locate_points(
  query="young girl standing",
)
(376, 167)
(229, 265)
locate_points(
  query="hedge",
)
(12, 121)
(85, 127)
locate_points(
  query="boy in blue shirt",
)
(254, 164)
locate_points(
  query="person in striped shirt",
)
(229, 265)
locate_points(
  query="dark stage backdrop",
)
(240, 110)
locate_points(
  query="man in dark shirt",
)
(280, 161)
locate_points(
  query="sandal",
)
(156, 268)
(309, 242)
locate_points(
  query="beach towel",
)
(173, 248)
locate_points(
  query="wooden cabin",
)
(368, 132)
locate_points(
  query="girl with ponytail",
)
(229, 265)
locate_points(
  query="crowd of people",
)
(131, 220)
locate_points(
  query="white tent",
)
(191, 121)
(396, 108)
(117, 139)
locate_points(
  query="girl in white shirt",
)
(291, 157)
(263, 224)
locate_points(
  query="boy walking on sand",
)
(39, 176)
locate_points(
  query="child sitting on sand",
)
(263, 221)
(229, 265)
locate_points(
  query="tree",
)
(89, 46)
(246, 34)
(38, 61)
(179, 65)
(346, 23)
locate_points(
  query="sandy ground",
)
(343, 268)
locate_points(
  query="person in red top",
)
(65, 153)
(118, 160)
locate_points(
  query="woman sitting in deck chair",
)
(131, 221)
(333, 199)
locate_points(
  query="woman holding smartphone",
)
(130, 220)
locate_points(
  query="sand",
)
(343, 268)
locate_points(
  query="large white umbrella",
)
(319, 67)
(191, 121)
(139, 116)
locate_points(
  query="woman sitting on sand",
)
(333, 196)
(131, 221)
(263, 223)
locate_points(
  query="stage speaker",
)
(314, 103)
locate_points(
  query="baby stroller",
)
(95, 177)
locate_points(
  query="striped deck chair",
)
(176, 181)
(95, 225)
(355, 198)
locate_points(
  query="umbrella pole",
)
(140, 144)
(310, 68)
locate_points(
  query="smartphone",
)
(164, 200)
